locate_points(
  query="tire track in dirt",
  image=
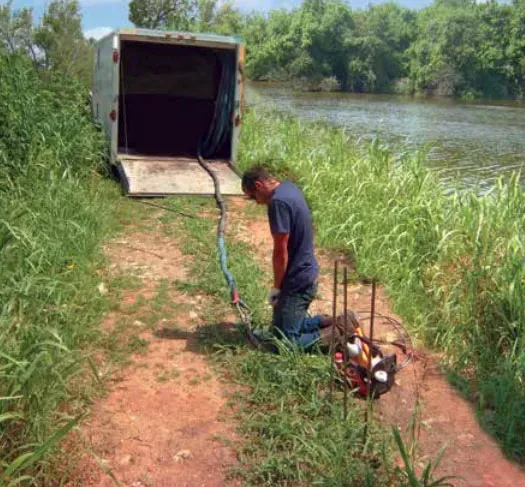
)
(164, 421)
(444, 419)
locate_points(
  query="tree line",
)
(462, 48)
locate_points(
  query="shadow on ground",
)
(208, 338)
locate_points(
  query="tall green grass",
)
(452, 261)
(54, 216)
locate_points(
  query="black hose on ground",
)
(242, 309)
(220, 127)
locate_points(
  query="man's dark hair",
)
(255, 173)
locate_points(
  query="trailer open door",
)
(178, 96)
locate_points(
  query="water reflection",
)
(475, 142)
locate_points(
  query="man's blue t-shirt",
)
(289, 213)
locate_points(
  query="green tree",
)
(206, 10)
(258, 58)
(218, 17)
(16, 30)
(275, 46)
(327, 34)
(444, 55)
(311, 41)
(379, 55)
(62, 45)
(227, 19)
(189, 15)
(163, 14)
(469, 49)
(515, 49)
(494, 76)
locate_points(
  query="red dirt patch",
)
(163, 421)
(161, 424)
(151, 256)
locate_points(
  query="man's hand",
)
(273, 296)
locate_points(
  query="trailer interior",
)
(175, 101)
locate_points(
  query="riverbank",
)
(452, 263)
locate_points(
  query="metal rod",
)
(345, 348)
(332, 340)
(369, 371)
(371, 336)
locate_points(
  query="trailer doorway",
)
(171, 106)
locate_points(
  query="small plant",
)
(167, 376)
(195, 381)
(137, 344)
(426, 479)
(12, 472)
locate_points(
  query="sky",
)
(101, 16)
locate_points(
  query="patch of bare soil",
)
(444, 419)
(164, 421)
(151, 256)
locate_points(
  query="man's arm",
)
(279, 258)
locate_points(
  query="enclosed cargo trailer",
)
(162, 98)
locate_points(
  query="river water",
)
(474, 142)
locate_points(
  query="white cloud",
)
(97, 33)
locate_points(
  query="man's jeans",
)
(291, 320)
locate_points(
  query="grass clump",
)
(54, 216)
(295, 435)
(451, 261)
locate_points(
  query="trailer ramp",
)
(163, 176)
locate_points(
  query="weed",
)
(167, 376)
(409, 472)
(127, 282)
(137, 345)
(55, 213)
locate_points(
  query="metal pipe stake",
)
(369, 371)
(371, 335)
(334, 313)
(345, 348)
